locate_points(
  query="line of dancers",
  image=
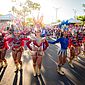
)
(37, 46)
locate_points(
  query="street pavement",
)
(49, 74)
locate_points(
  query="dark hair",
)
(67, 36)
(84, 34)
(61, 34)
(2, 35)
(7, 28)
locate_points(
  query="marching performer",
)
(71, 46)
(63, 40)
(3, 48)
(80, 39)
(37, 45)
(74, 48)
(17, 49)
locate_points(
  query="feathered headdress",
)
(38, 23)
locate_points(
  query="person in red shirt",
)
(80, 38)
(73, 44)
(37, 46)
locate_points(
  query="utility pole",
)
(56, 13)
(75, 13)
(38, 14)
(56, 10)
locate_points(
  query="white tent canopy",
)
(74, 21)
(56, 23)
(7, 17)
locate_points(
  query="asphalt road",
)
(49, 75)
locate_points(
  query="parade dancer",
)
(80, 39)
(3, 48)
(72, 41)
(17, 49)
(74, 49)
(38, 46)
(76, 43)
(63, 40)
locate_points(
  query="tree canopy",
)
(26, 8)
(82, 18)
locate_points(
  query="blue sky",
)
(65, 8)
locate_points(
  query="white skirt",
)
(62, 53)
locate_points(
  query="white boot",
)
(35, 72)
(70, 63)
(38, 71)
(17, 67)
(5, 64)
(60, 71)
(20, 67)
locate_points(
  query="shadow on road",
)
(64, 80)
(34, 80)
(38, 80)
(41, 80)
(15, 78)
(20, 79)
(2, 73)
(1, 69)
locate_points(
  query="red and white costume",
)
(3, 48)
(17, 49)
(37, 47)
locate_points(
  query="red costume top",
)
(17, 42)
(80, 38)
(36, 44)
(4, 43)
(84, 39)
(70, 43)
(73, 41)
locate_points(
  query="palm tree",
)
(82, 18)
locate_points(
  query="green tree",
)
(58, 20)
(82, 18)
(25, 9)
